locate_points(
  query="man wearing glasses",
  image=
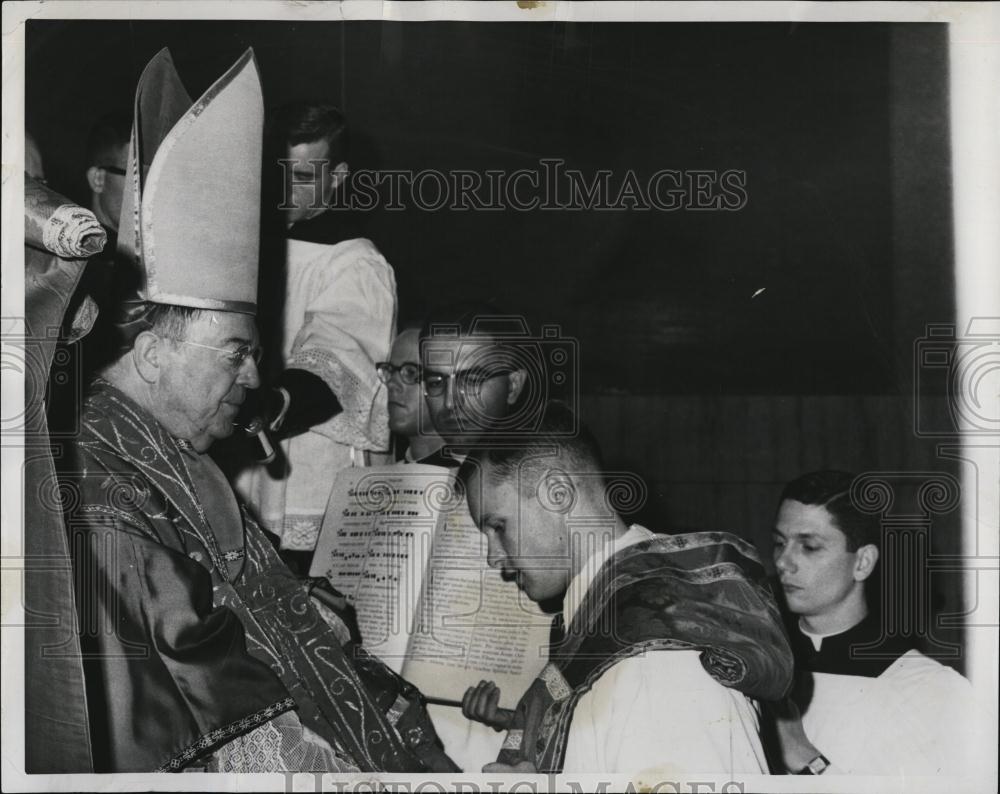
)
(107, 155)
(202, 650)
(107, 281)
(408, 418)
(475, 376)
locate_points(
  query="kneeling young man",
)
(667, 639)
(884, 709)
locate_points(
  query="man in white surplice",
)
(868, 702)
(326, 405)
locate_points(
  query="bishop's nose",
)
(249, 375)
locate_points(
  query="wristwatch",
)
(815, 767)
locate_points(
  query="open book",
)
(399, 543)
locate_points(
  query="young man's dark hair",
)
(832, 489)
(109, 133)
(307, 141)
(859, 675)
(305, 122)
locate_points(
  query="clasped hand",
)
(481, 704)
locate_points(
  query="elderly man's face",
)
(201, 388)
(527, 541)
(309, 180)
(469, 387)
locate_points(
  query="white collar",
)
(816, 639)
(580, 583)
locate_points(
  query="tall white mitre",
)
(191, 208)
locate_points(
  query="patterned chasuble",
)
(194, 631)
(703, 591)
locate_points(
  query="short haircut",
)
(484, 323)
(553, 445)
(163, 319)
(832, 489)
(305, 122)
(172, 321)
(109, 133)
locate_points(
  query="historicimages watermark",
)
(548, 186)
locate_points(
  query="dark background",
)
(802, 109)
(715, 397)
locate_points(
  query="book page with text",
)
(374, 547)
(473, 625)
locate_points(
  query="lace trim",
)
(558, 687)
(513, 739)
(73, 232)
(212, 738)
(364, 420)
(283, 744)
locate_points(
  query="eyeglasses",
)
(409, 372)
(469, 382)
(112, 169)
(234, 357)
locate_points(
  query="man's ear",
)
(339, 173)
(557, 491)
(147, 356)
(95, 178)
(866, 557)
(515, 380)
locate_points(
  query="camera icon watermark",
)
(492, 379)
(48, 368)
(957, 380)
